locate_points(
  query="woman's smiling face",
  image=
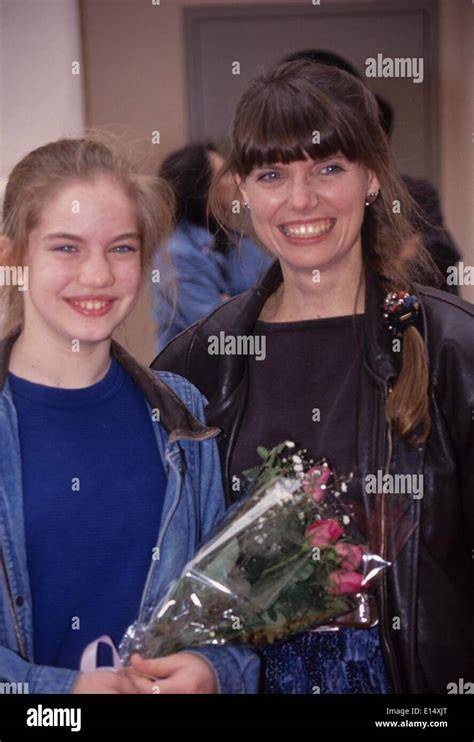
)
(309, 213)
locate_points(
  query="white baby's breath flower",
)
(346, 520)
(282, 493)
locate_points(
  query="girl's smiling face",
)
(309, 213)
(84, 262)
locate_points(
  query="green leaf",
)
(272, 614)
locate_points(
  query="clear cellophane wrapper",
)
(284, 560)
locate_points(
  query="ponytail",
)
(407, 406)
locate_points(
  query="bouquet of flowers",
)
(285, 559)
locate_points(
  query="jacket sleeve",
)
(237, 668)
(247, 264)
(35, 678)
(199, 282)
(198, 289)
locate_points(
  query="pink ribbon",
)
(89, 656)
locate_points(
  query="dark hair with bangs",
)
(291, 118)
(299, 109)
(322, 56)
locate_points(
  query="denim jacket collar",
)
(176, 419)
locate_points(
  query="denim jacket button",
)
(19, 601)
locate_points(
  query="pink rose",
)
(314, 483)
(324, 532)
(351, 555)
(341, 582)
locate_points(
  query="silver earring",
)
(247, 206)
(371, 197)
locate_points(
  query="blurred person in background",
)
(431, 231)
(207, 268)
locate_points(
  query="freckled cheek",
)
(128, 279)
(49, 279)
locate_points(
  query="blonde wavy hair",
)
(44, 171)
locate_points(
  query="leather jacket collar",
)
(225, 380)
(250, 305)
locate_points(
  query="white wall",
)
(40, 99)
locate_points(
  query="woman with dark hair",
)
(209, 267)
(362, 364)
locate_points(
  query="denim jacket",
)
(203, 276)
(193, 504)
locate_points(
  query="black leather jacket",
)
(426, 599)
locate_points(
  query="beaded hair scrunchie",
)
(400, 311)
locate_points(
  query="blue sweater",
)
(93, 486)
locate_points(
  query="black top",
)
(304, 390)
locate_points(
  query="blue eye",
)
(335, 169)
(266, 177)
(65, 248)
(122, 249)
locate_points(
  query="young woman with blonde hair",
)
(109, 478)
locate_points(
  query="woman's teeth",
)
(308, 230)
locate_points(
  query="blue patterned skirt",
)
(343, 661)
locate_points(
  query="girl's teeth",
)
(308, 230)
(91, 305)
